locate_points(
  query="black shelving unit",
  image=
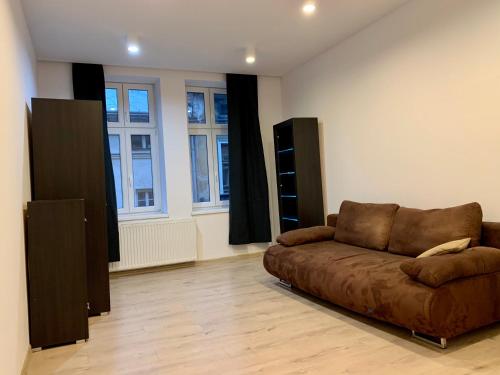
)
(298, 172)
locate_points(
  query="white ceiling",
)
(202, 35)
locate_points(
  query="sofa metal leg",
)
(285, 284)
(440, 342)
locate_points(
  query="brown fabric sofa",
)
(367, 265)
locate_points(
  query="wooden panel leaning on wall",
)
(68, 163)
(57, 275)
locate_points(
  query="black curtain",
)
(249, 199)
(88, 84)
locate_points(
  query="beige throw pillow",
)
(446, 248)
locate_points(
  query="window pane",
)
(220, 108)
(199, 168)
(112, 104)
(142, 169)
(138, 105)
(223, 165)
(196, 108)
(114, 146)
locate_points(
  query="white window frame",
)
(121, 108)
(125, 129)
(212, 107)
(124, 167)
(212, 202)
(217, 170)
(210, 129)
(208, 118)
(151, 105)
(155, 161)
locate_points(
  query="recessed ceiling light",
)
(309, 8)
(133, 45)
(250, 59)
(133, 49)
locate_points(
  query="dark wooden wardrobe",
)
(298, 173)
(56, 272)
(68, 163)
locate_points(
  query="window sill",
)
(209, 211)
(142, 216)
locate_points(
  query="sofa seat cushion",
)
(365, 224)
(301, 262)
(372, 283)
(415, 231)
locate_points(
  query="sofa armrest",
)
(331, 220)
(306, 235)
(436, 270)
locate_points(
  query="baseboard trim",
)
(230, 257)
(140, 271)
(168, 267)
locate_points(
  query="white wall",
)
(17, 80)
(410, 107)
(54, 80)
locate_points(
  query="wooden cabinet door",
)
(57, 274)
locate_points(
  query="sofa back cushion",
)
(490, 234)
(365, 224)
(415, 231)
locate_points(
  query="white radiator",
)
(155, 243)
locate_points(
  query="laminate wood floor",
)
(231, 317)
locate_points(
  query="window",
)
(133, 142)
(196, 108)
(114, 145)
(223, 159)
(208, 146)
